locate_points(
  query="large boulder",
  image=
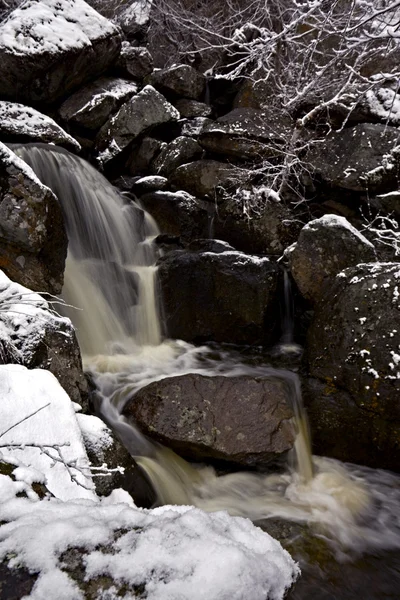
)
(247, 134)
(243, 419)
(180, 80)
(347, 159)
(325, 247)
(353, 345)
(91, 106)
(233, 297)
(49, 48)
(145, 110)
(33, 242)
(33, 335)
(19, 123)
(178, 214)
(202, 177)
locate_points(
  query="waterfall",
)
(110, 283)
(110, 273)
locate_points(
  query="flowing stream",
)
(111, 280)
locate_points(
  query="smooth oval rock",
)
(244, 420)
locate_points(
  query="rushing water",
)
(110, 278)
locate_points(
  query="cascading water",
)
(110, 277)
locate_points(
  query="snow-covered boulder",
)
(19, 123)
(91, 106)
(353, 346)
(325, 247)
(189, 414)
(179, 80)
(233, 297)
(33, 243)
(112, 549)
(147, 109)
(39, 429)
(36, 337)
(49, 48)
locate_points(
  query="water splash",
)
(110, 275)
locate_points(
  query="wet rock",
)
(178, 214)
(209, 245)
(232, 297)
(178, 152)
(15, 583)
(189, 109)
(79, 45)
(33, 242)
(134, 61)
(244, 420)
(325, 247)
(91, 106)
(147, 109)
(201, 177)
(181, 80)
(344, 159)
(19, 123)
(353, 341)
(40, 339)
(247, 134)
(253, 222)
(143, 154)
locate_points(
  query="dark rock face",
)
(325, 247)
(19, 123)
(182, 80)
(81, 45)
(190, 109)
(345, 158)
(343, 430)
(228, 297)
(247, 134)
(134, 61)
(181, 150)
(353, 346)
(91, 106)
(238, 419)
(178, 214)
(142, 155)
(267, 228)
(147, 109)
(201, 177)
(33, 243)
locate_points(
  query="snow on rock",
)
(96, 435)
(92, 105)
(25, 124)
(169, 553)
(384, 104)
(39, 428)
(48, 48)
(33, 335)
